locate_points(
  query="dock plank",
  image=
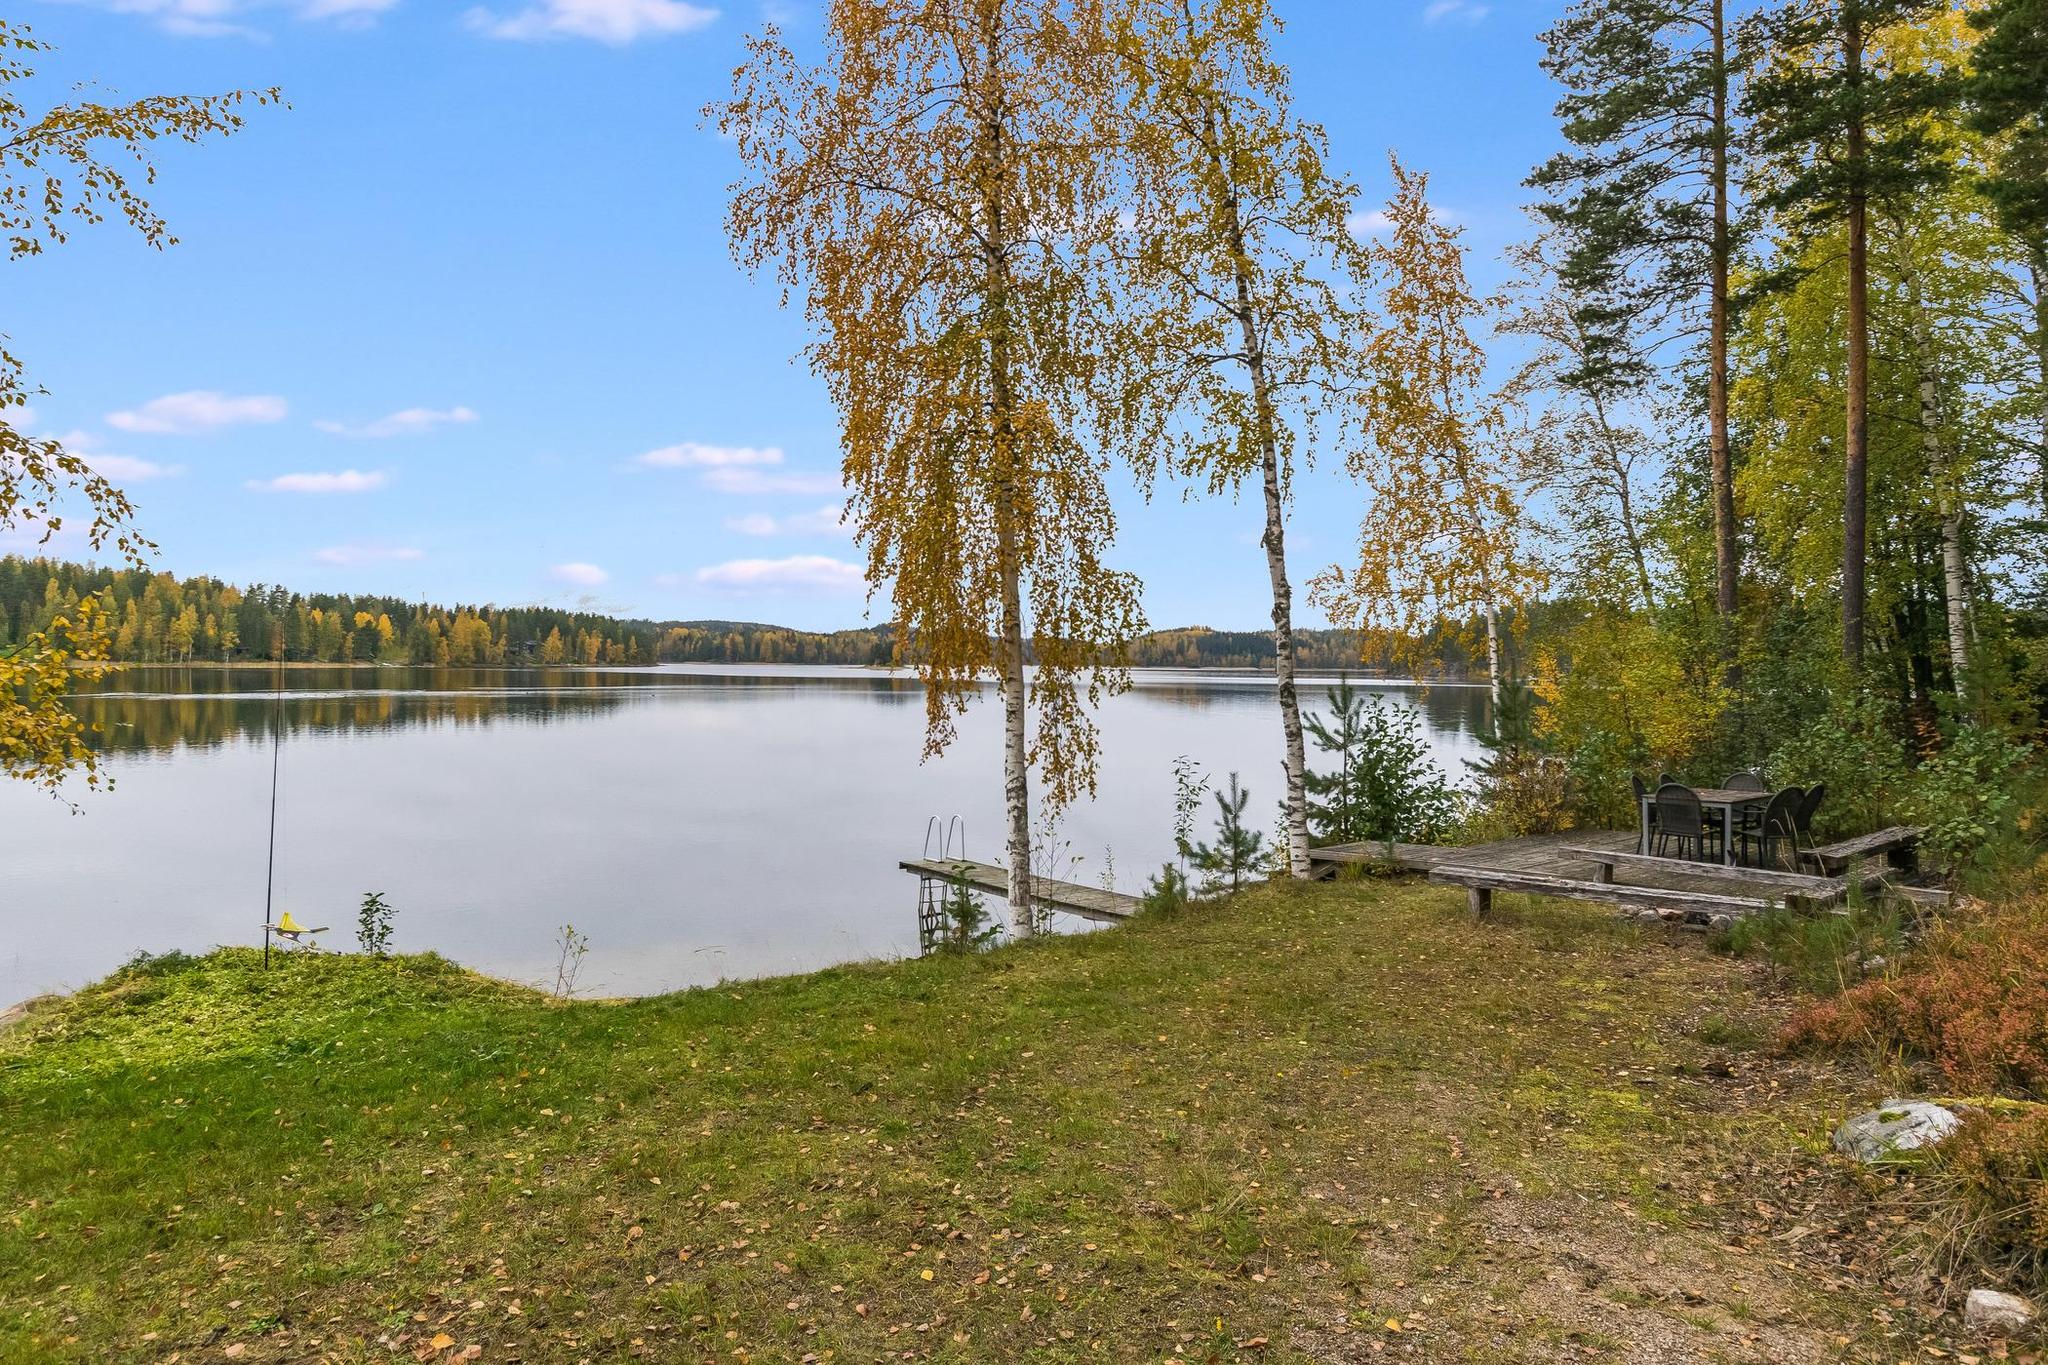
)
(1073, 898)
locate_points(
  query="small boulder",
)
(1894, 1128)
(1997, 1314)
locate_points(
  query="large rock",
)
(1997, 1314)
(1893, 1129)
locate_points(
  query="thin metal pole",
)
(270, 863)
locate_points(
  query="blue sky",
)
(461, 323)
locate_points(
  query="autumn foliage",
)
(1974, 1001)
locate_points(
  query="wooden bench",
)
(1899, 844)
(1790, 887)
(1481, 882)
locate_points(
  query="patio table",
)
(1724, 799)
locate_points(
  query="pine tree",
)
(1842, 133)
(1226, 864)
(1645, 203)
(1385, 785)
(2007, 93)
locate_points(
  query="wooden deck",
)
(1538, 860)
(1072, 898)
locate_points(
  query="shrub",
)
(1974, 1001)
(1385, 784)
(1966, 794)
(373, 924)
(1522, 788)
(1856, 749)
(1990, 1185)
(1824, 954)
(1167, 892)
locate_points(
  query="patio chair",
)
(1777, 831)
(1641, 792)
(1746, 780)
(1679, 817)
(1802, 819)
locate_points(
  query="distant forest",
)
(160, 618)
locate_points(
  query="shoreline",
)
(1315, 674)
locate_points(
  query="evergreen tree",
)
(2007, 92)
(1385, 784)
(1644, 201)
(2007, 95)
(1843, 132)
(1225, 864)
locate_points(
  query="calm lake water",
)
(696, 822)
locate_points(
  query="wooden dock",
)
(1072, 898)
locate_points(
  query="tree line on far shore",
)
(161, 618)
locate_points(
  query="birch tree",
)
(1442, 536)
(937, 186)
(66, 165)
(1244, 321)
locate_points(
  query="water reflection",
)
(160, 709)
(696, 821)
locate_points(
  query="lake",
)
(696, 822)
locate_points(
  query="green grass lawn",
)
(1338, 1123)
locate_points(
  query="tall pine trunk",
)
(1856, 416)
(1727, 564)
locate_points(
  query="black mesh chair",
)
(1669, 780)
(1777, 832)
(1679, 817)
(1641, 792)
(1802, 819)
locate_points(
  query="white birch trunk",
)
(1016, 754)
(1493, 657)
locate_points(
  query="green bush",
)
(1967, 794)
(1856, 748)
(1384, 784)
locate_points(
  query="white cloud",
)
(198, 410)
(1456, 11)
(797, 573)
(753, 481)
(582, 575)
(128, 469)
(607, 21)
(1376, 222)
(690, 455)
(367, 554)
(829, 520)
(228, 18)
(119, 468)
(343, 481)
(405, 422)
